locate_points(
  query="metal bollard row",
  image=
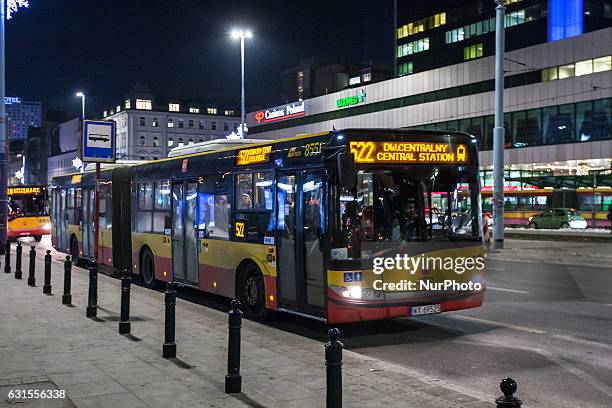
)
(7, 257)
(333, 366)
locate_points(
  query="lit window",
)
(174, 107)
(180, 142)
(155, 122)
(211, 111)
(170, 142)
(128, 104)
(170, 123)
(144, 104)
(602, 64)
(473, 51)
(194, 110)
(355, 81)
(550, 74)
(105, 114)
(584, 67)
(566, 71)
(229, 112)
(413, 47)
(155, 141)
(404, 69)
(118, 108)
(190, 141)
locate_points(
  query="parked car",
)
(558, 218)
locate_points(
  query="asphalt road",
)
(546, 322)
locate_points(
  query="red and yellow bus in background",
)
(294, 225)
(521, 204)
(28, 212)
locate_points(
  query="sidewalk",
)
(47, 346)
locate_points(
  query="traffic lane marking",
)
(582, 341)
(500, 324)
(508, 290)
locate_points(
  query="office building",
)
(22, 115)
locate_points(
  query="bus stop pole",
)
(498, 131)
(97, 214)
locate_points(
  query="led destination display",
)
(408, 152)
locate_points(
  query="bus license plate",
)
(423, 310)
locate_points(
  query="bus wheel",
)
(74, 251)
(533, 225)
(147, 268)
(38, 238)
(565, 225)
(252, 292)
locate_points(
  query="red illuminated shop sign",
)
(289, 111)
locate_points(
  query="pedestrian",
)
(610, 217)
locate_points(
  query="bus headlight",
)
(353, 292)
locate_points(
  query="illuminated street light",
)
(242, 34)
(82, 96)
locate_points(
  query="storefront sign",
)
(289, 111)
(351, 100)
(408, 152)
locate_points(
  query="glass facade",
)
(413, 47)
(404, 69)
(421, 25)
(574, 122)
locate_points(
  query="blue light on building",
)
(565, 19)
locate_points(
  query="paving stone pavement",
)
(47, 346)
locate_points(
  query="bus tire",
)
(565, 225)
(533, 225)
(147, 268)
(74, 251)
(38, 238)
(252, 292)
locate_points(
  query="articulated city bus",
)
(297, 225)
(28, 212)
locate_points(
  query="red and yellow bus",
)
(28, 212)
(521, 204)
(294, 225)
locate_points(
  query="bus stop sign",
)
(99, 141)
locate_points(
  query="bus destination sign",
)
(24, 190)
(254, 155)
(408, 152)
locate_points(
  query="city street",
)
(547, 323)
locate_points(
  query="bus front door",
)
(185, 232)
(88, 198)
(300, 228)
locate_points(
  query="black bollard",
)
(124, 324)
(32, 271)
(18, 272)
(47, 284)
(92, 298)
(233, 379)
(333, 363)
(7, 257)
(67, 297)
(508, 387)
(169, 348)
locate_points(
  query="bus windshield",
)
(416, 205)
(27, 207)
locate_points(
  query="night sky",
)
(182, 48)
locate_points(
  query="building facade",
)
(65, 149)
(433, 34)
(557, 104)
(22, 115)
(148, 128)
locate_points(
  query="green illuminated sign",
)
(351, 100)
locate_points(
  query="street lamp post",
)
(498, 130)
(242, 35)
(82, 96)
(5, 14)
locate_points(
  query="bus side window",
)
(255, 204)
